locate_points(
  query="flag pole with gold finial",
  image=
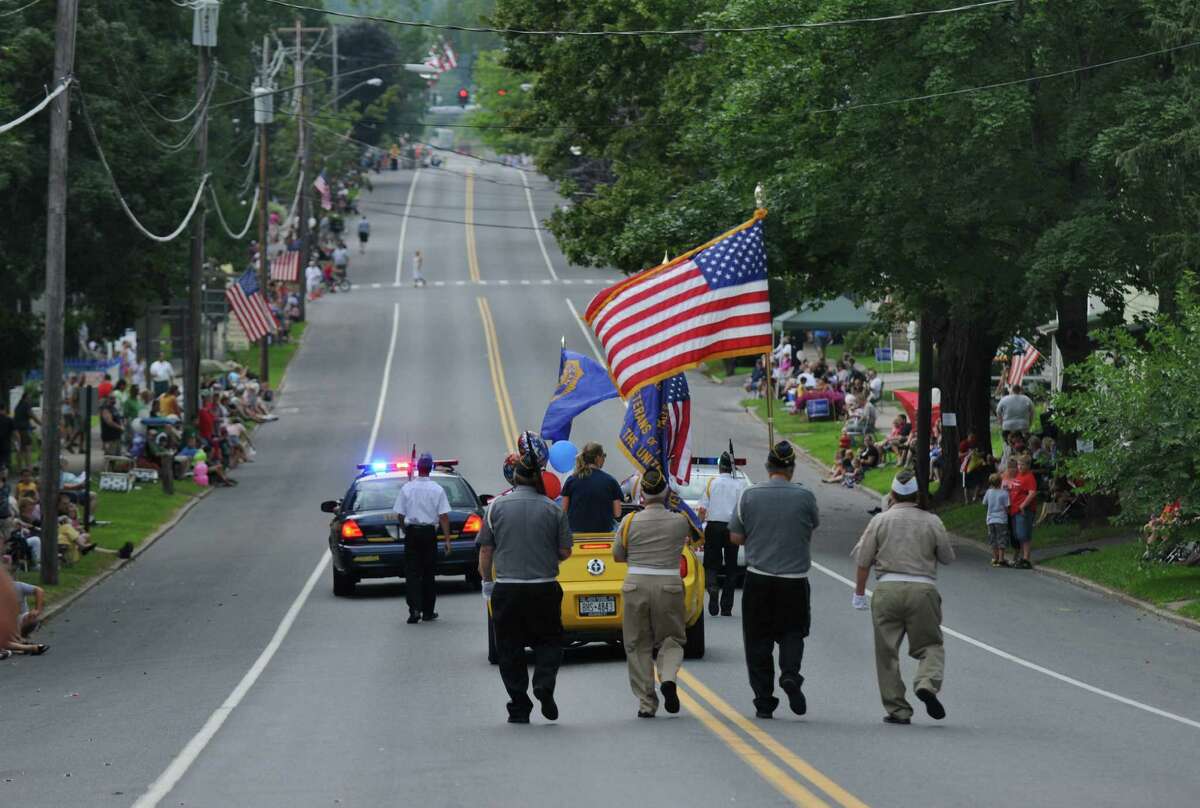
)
(760, 199)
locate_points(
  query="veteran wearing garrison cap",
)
(775, 521)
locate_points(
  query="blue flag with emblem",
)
(582, 383)
(646, 436)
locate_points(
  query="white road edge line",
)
(412, 187)
(178, 767)
(1033, 666)
(537, 227)
(586, 334)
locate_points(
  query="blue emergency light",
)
(713, 461)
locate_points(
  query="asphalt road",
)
(219, 670)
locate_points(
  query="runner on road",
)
(364, 233)
(418, 260)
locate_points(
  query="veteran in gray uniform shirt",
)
(775, 520)
(524, 538)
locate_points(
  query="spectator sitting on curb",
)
(842, 466)
(27, 621)
(27, 487)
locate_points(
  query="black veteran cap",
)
(782, 455)
(653, 482)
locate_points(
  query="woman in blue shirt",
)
(591, 497)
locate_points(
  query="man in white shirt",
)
(421, 505)
(161, 374)
(312, 278)
(720, 556)
(875, 383)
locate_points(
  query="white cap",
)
(905, 489)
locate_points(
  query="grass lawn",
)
(968, 521)
(819, 438)
(867, 360)
(134, 517)
(1119, 567)
(278, 355)
(716, 367)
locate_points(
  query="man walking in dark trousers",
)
(775, 521)
(525, 536)
(421, 506)
(716, 505)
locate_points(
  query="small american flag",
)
(286, 267)
(448, 55)
(322, 187)
(1024, 357)
(252, 312)
(677, 401)
(710, 303)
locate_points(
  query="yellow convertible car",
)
(592, 604)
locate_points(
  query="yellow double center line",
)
(508, 422)
(787, 784)
(469, 218)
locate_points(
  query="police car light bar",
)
(383, 466)
(713, 461)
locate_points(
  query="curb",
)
(1083, 583)
(61, 606)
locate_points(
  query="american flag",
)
(677, 401)
(448, 55)
(1024, 357)
(710, 303)
(286, 267)
(252, 312)
(322, 187)
(434, 62)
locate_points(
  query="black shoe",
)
(795, 695)
(891, 719)
(518, 719)
(875, 510)
(727, 612)
(126, 550)
(413, 618)
(763, 714)
(644, 714)
(713, 606)
(934, 707)
(1023, 564)
(670, 697)
(427, 616)
(549, 708)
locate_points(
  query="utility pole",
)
(263, 117)
(56, 281)
(204, 36)
(302, 132)
(336, 67)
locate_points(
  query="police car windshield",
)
(380, 495)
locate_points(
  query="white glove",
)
(860, 602)
(488, 586)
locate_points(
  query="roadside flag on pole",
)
(582, 383)
(286, 266)
(248, 305)
(710, 303)
(1024, 357)
(322, 186)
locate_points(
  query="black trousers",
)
(420, 566)
(774, 611)
(527, 616)
(720, 559)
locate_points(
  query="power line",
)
(749, 29)
(91, 130)
(13, 124)
(221, 216)
(19, 10)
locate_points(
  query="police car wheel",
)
(493, 656)
(694, 647)
(343, 584)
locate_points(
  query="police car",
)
(366, 542)
(704, 471)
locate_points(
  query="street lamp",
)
(371, 82)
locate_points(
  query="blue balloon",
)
(562, 456)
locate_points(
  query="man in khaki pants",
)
(651, 541)
(905, 545)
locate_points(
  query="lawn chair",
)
(818, 409)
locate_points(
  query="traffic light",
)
(463, 97)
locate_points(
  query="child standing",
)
(996, 501)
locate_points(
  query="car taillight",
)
(351, 530)
(473, 524)
(683, 568)
(599, 545)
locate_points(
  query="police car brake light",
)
(713, 461)
(351, 530)
(473, 524)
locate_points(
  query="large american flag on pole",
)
(1022, 362)
(286, 267)
(710, 303)
(250, 308)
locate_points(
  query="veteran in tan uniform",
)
(650, 541)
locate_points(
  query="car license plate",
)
(597, 605)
